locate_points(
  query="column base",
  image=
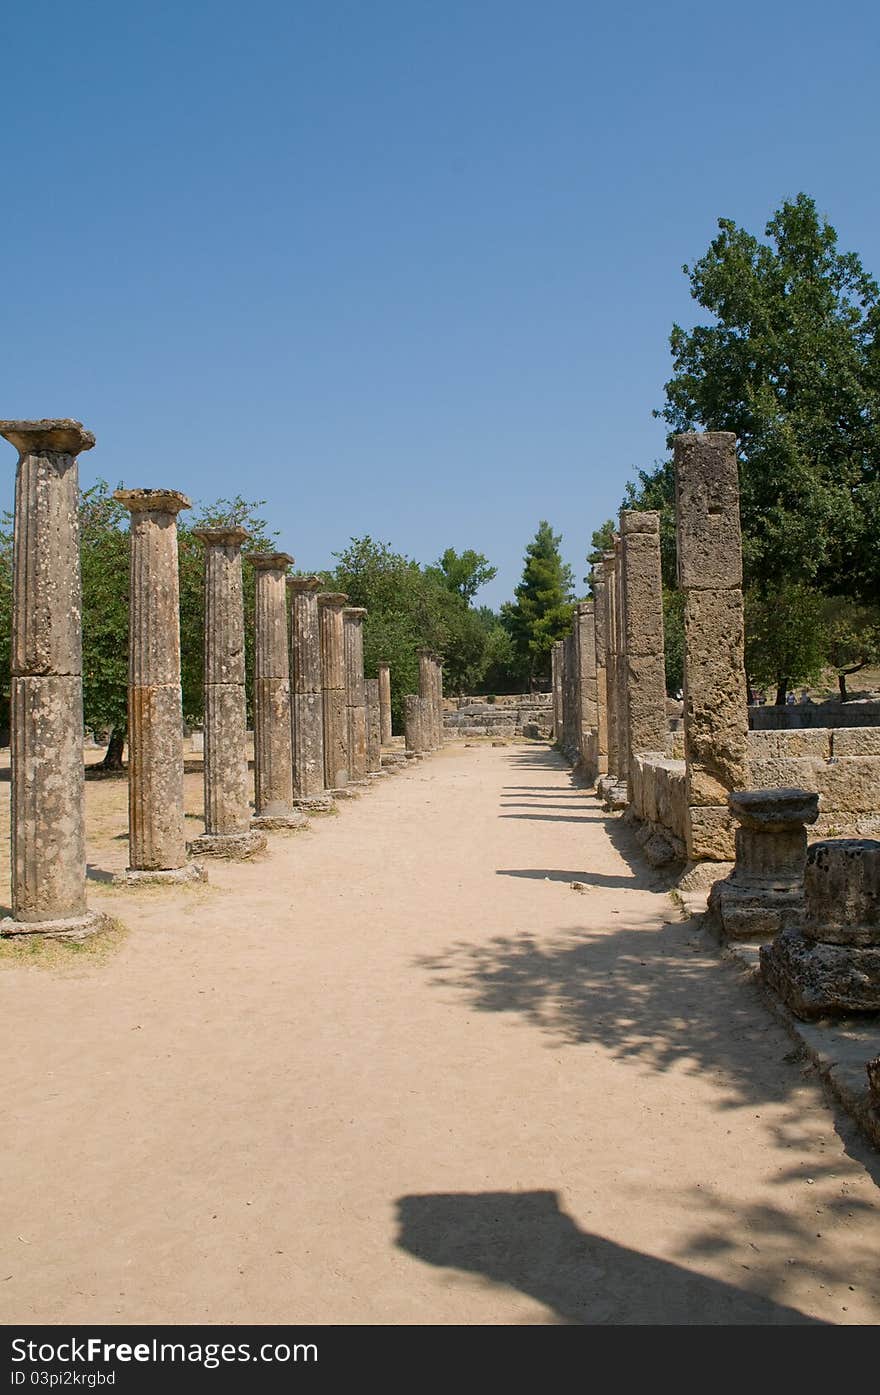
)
(817, 979)
(235, 846)
(76, 927)
(315, 803)
(345, 792)
(291, 822)
(161, 876)
(747, 912)
(378, 774)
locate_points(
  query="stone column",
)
(273, 753)
(426, 691)
(556, 672)
(353, 618)
(307, 702)
(586, 688)
(645, 667)
(438, 699)
(829, 963)
(330, 607)
(46, 737)
(599, 613)
(374, 727)
(610, 573)
(710, 574)
(764, 893)
(227, 809)
(157, 837)
(413, 706)
(385, 702)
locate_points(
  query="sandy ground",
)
(397, 1071)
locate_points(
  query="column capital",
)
(59, 434)
(585, 607)
(638, 521)
(221, 537)
(270, 561)
(354, 612)
(303, 583)
(383, 663)
(332, 600)
(152, 500)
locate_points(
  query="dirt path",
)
(399, 1072)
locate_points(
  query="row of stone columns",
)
(609, 690)
(295, 767)
(423, 712)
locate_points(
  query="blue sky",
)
(405, 269)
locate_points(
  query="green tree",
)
(785, 637)
(792, 366)
(464, 573)
(852, 638)
(601, 541)
(543, 609)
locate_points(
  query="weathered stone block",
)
(842, 886)
(715, 696)
(707, 510)
(849, 784)
(711, 834)
(818, 979)
(856, 741)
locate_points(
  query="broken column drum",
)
(353, 620)
(307, 702)
(764, 893)
(157, 837)
(330, 608)
(227, 806)
(829, 964)
(273, 745)
(46, 734)
(710, 575)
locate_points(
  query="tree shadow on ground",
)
(526, 1241)
(655, 993)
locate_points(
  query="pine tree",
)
(543, 609)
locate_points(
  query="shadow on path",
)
(526, 1241)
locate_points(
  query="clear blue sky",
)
(398, 268)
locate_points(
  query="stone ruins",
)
(321, 728)
(773, 820)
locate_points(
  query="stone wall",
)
(511, 714)
(798, 716)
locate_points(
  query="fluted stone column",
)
(273, 749)
(645, 670)
(353, 621)
(330, 607)
(374, 727)
(556, 670)
(46, 738)
(427, 692)
(228, 831)
(710, 574)
(413, 707)
(307, 702)
(600, 616)
(157, 837)
(385, 703)
(438, 701)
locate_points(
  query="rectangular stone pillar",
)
(645, 670)
(610, 573)
(710, 574)
(600, 618)
(620, 624)
(585, 628)
(556, 671)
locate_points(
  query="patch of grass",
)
(48, 952)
